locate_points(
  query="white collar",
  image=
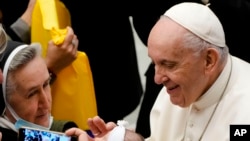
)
(215, 92)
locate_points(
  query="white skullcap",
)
(200, 20)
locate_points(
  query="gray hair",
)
(23, 57)
(194, 42)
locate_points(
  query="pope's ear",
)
(212, 58)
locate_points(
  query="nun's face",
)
(32, 98)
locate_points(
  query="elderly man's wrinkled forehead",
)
(165, 31)
(165, 38)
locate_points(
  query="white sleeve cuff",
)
(117, 134)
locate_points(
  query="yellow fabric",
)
(58, 35)
(73, 91)
(48, 16)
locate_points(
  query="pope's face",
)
(32, 98)
(178, 68)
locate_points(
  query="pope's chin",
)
(175, 96)
(176, 101)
